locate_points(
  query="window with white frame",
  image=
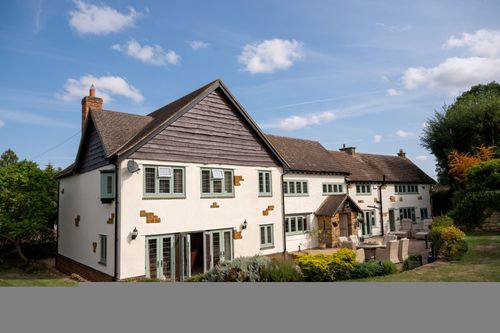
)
(266, 236)
(363, 189)
(330, 188)
(217, 183)
(164, 181)
(406, 189)
(103, 249)
(295, 188)
(107, 186)
(296, 224)
(265, 185)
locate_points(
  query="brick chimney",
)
(402, 153)
(349, 150)
(90, 102)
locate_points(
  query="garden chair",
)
(405, 230)
(389, 237)
(360, 253)
(390, 252)
(404, 244)
(424, 231)
(354, 239)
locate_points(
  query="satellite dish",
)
(132, 166)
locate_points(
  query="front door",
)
(160, 257)
(345, 225)
(218, 247)
(392, 220)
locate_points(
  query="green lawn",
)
(480, 264)
(16, 276)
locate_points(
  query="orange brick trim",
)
(111, 219)
(237, 234)
(214, 205)
(150, 217)
(70, 266)
(238, 180)
(420, 198)
(77, 220)
(266, 211)
(94, 246)
(361, 201)
(392, 198)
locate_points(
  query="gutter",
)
(381, 207)
(283, 211)
(57, 221)
(117, 168)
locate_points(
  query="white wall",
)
(420, 200)
(82, 197)
(194, 213)
(308, 205)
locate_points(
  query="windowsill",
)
(163, 197)
(107, 200)
(406, 193)
(364, 194)
(298, 233)
(217, 196)
(334, 193)
(265, 195)
(101, 263)
(296, 195)
(267, 247)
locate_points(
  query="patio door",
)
(218, 247)
(392, 220)
(185, 240)
(160, 257)
(368, 219)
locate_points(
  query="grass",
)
(480, 264)
(12, 274)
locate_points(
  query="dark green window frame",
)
(369, 216)
(296, 224)
(296, 188)
(330, 188)
(407, 213)
(107, 186)
(155, 186)
(363, 189)
(424, 213)
(103, 249)
(406, 189)
(265, 183)
(211, 187)
(266, 236)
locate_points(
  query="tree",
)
(460, 163)
(7, 158)
(471, 121)
(28, 203)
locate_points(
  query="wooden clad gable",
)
(212, 131)
(92, 155)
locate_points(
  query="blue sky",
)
(363, 73)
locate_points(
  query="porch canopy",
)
(341, 203)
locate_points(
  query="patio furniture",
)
(354, 239)
(404, 244)
(389, 237)
(370, 249)
(360, 253)
(424, 232)
(390, 252)
(405, 230)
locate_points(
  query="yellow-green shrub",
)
(448, 241)
(321, 267)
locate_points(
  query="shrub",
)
(195, 278)
(442, 221)
(281, 270)
(243, 269)
(448, 241)
(412, 262)
(373, 268)
(334, 267)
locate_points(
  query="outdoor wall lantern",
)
(134, 233)
(244, 225)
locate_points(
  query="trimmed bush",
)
(243, 269)
(334, 267)
(412, 262)
(281, 270)
(442, 221)
(448, 241)
(373, 268)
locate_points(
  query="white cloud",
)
(149, 54)
(393, 92)
(2, 123)
(404, 134)
(106, 87)
(100, 19)
(482, 43)
(456, 74)
(198, 44)
(296, 122)
(421, 157)
(270, 55)
(377, 138)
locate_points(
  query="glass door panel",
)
(228, 253)
(186, 255)
(208, 251)
(152, 262)
(216, 246)
(167, 261)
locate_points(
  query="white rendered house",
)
(170, 194)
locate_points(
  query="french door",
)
(218, 246)
(185, 257)
(160, 257)
(392, 220)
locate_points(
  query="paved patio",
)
(416, 247)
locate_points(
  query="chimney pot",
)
(402, 153)
(90, 102)
(349, 150)
(92, 91)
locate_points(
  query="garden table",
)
(370, 249)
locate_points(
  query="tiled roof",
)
(305, 155)
(333, 203)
